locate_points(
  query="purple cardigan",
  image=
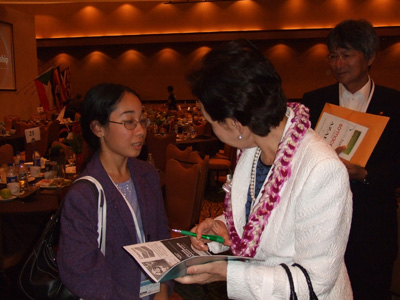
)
(82, 266)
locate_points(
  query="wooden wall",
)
(149, 45)
(23, 101)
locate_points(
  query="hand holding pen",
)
(214, 238)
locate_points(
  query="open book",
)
(358, 131)
(168, 259)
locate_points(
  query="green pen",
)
(214, 238)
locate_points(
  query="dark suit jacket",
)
(82, 266)
(374, 204)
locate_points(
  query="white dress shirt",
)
(358, 101)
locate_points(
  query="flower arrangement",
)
(75, 139)
(160, 118)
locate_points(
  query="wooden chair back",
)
(173, 152)
(180, 193)
(157, 146)
(9, 121)
(22, 125)
(6, 154)
(41, 145)
(54, 129)
(194, 157)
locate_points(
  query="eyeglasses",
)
(132, 124)
(345, 57)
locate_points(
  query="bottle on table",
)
(22, 175)
(17, 158)
(11, 175)
(36, 158)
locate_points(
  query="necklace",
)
(253, 175)
(280, 172)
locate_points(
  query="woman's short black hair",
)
(99, 102)
(237, 81)
(354, 34)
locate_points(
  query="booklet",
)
(168, 259)
(358, 131)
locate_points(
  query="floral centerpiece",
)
(160, 118)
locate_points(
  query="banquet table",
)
(23, 219)
(205, 146)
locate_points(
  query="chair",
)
(175, 153)
(188, 158)
(194, 157)
(22, 125)
(157, 146)
(180, 193)
(41, 145)
(6, 154)
(224, 161)
(204, 128)
(54, 129)
(9, 121)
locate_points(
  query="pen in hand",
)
(214, 238)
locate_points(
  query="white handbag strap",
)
(102, 213)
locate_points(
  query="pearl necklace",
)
(247, 245)
(253, 175)
(254, 169)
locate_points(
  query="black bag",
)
(39, 278)
(293, 295)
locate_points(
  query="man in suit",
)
(372, 246)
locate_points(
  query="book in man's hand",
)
(358, 131)
(168, 259)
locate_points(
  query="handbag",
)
(39, 278)
(293, 295)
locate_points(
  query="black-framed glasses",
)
(344, 57)
(132, 124)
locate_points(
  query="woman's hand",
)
(163, 293)
(206, 273)
(355, 172)
(209, 226)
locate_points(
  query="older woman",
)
(114, 125)
(289, 201)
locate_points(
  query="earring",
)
(240, 137)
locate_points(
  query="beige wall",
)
(24, 100)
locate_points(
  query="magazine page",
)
(359, 131)
(340, 132)
(168, 259)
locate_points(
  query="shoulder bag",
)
(39, 278)
(293, 295)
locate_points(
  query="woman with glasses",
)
(114, 125)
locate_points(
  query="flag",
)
(65, 77)
(44, 89)
(58, 91)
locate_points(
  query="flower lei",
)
(280, 173)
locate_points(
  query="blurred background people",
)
(171, 98)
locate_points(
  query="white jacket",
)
(310, 226)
